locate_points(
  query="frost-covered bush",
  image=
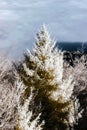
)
(79, 72)
(41, 92)
(80, 77)
(7, 98)
(24, 115)
(42, 71)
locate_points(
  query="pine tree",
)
(42, 70)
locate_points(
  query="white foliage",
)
(50, 59)
(19, 89)
(79, 73)
(25, 115)
(47, 58)
(75, 114)
(7, 98)
(27, 70)
(64, 90)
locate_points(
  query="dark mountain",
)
(72, 46)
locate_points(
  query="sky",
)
(20, 20)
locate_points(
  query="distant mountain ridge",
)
(72, 46)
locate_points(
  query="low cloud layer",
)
(20, 20)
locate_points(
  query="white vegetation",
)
(79, 72)
(49, 59)
(52, 73)
(25, 115)
(12, 113)
(7, 99)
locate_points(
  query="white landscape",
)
(41, 86)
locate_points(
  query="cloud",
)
(20, 20)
